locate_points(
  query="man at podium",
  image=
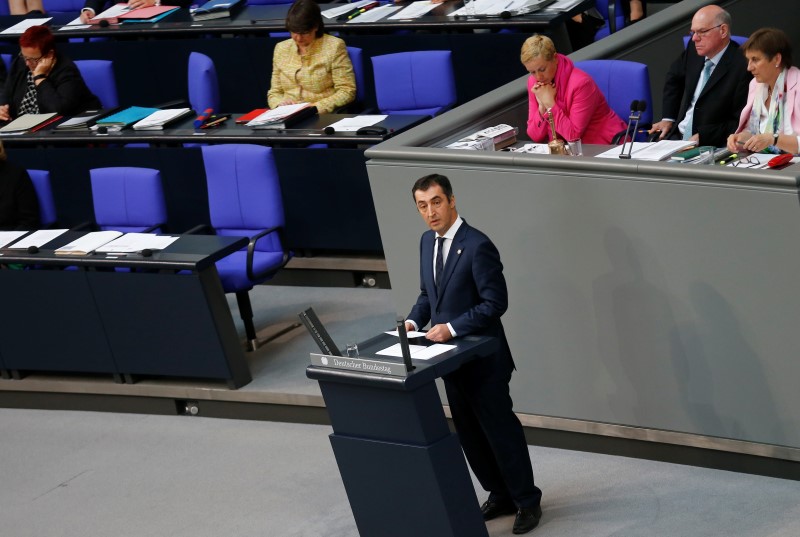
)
(463, 292)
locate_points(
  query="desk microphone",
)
(329, 130)
(202, 118)
(147, 252)
(631, 117)
(33, 249)
(103, 23)
(640, 108)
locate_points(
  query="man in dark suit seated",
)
(94, 7)
(463, 292)
(707, 86)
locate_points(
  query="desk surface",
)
(307, 131)
(190, 252)
(271, 18)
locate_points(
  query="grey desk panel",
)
(653, 303)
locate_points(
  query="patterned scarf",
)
(30, 104)
(776, 112)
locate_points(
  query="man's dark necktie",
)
(439, 261)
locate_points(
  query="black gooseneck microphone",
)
(33, 249)
(640, 108)
(631, 117)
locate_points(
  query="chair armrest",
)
(251, 247)
(154, 227)
(612, 16)
(82, 226)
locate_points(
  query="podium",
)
(402, 468)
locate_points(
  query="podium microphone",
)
(202, 118)
(642, 106)
(631, 117)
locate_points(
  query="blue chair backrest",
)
(267, 2)
(6, 58)
(44, 193)
(622, 82)
(615, 25)
(62, 6)
(128, 199)
(740, 40)
(357, 59)
(99, 77)
(203, 83)
(419, 82)
(244, 192)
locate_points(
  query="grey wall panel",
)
(648, 302)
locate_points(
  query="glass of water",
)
(351, 350)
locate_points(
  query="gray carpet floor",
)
(87, 474)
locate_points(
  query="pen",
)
(728, 159)
(362, 10)
(216, 122)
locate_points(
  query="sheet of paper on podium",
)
(409, 334)
(418, 352)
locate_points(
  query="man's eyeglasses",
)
(702, 33)
(34, 61)
(746, 162)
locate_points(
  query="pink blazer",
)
(581, 110)
(792, 101)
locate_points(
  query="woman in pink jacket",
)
(556, 86)
(770, 121)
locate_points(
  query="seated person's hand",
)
(136, 4)
(87, 15)
(735, 141)
(664, 126)
(4, 115)
(753, 142)
(287, 101)
(545, 95)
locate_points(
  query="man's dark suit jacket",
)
(716, 112)
(63, 91)
(473, 294)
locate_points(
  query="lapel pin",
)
(459, 251)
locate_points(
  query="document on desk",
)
(39, 238)
(7, 237)
(414, 10)
(113, 12)
(653, 151)
(21, 26)
(352, 124)
(75, 24)
(418, 352)
(563, 5)
(88, 243)
(410, 334)
(374, 14)
(334, 12)
(136, 242)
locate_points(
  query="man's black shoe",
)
(527, 519)
(491, 509)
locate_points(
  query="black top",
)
(63, 91)
(19, 206)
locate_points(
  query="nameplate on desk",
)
(360, 365)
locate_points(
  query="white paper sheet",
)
(136, 242)
(277, 114)
(411, 333)
(21, 26)
(89, 242)
(334, 12)
(39, 238)
(374, 14)
(418, 352)
(414, 10)
(649, 150)
(351, 124)
(7, 237)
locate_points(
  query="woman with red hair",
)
(42, 80)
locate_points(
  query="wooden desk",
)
(152, 321)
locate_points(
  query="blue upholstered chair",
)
(203, 83)
(357, 59)
(267, 2)
(128, 199)
(622, 82)
(611, 10)
(419, 82)
(99, 76)
(62, 6)
(6, 57)
(44, 193)
(740, 40)
(244, 197)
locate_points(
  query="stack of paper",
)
(282, 117)
(136, 242)
(160, 118)
(88, 243)
(38, 238)
(660, 150)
